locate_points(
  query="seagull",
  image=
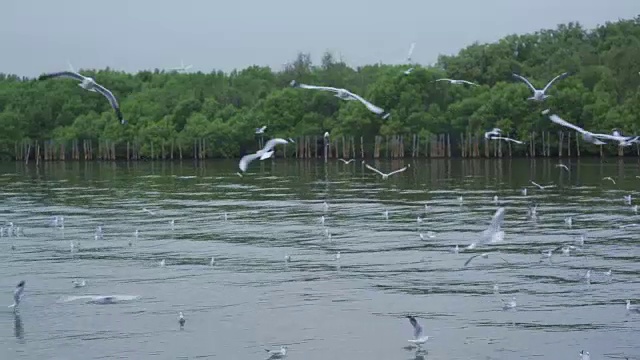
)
(90, 84)
(17, 295)
(148, 211)
(181, 320)
(347, 161)
(539, 95)
(411, 48)
(627, 199)
(78, 284)
(162, 263)
(563, 166)
(484, 256)
(493, 233)
(212, 261)
(492, 133)
(632, 308)
(287, 258)
(386, 176)
(264, 153)
(584, 355)
(277, 354)
(261, 130)
(408, 71)
(568, 221)
(610, 179)
(345, 95)
(418, 338)
(458, 82)
(542, 187)
(592, 137)
(182, 67)
(524, 192)
(507, 305)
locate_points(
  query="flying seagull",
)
(539, 95)
(90, 84)
(418, 337)
(264, 153)
(261, 130)
(182, 67)
(17, 295)
(345, 95)
(385, 176)
(484, 256)
(492, 133)
(494, 233)
(413, 46)
(347, 161)
(562, 166)
(610, 179)
(542, 187)
(506, 139)
(458, 82)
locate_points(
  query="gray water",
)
(321, 308)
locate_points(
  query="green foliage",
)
(224, 109)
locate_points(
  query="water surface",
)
(354, 308)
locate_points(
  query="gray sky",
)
(42, 35)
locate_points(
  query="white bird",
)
(90, 84)
(493, 233)
(542, 187)
(386, 176)
(632, 308)
(456, 249)
(627, 199)
(458, 82)
(484, 256)
(181, 320)
(287, 258)
(584, 355)
(495, 199)
(507, 139)
(568, 221)
(264, 153)
(408, 71)
(182, 67)
(277, 354)
(212, 261)
(386, 214)
(492, 133)
(411, 48)
(261, 130)
(524, 192)
(592, 137)
(162, 263)
(347, 161)
(507, 305)
(539, 95)
(345, 95)
(418, 337)
(78, 284)
(563, 166)
(338, 256)
(322, 220)
(148, 211)
(136, 234)
(17, 295)
(610, 179)
(325, 206)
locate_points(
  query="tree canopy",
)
(602, 93)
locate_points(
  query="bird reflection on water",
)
(18, 330)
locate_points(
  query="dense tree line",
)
(602, 93)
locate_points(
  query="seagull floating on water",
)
(181, 320)
(632, 308)
(385, 176)
(508, 305)
(17, 295)
(539, 95)
(345, 95)
(90, 84)
(277, 354)
(584, 355)
(79, 284)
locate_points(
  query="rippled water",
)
(321, 308)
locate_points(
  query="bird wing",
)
(374, 169)
(469, 82)
(266, 155)
(522, 78)
(558, 120)
(538, 185)
(272, 143)
(506, 139)
(112, 100)
(413, 46)
(314, 87)
(245, 160)
(471, 258)
(64, 74)
(444, 79)
(559, 77)
(343, 160)
(398, 171)
(375, 109)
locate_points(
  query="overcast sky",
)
(42, 35)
